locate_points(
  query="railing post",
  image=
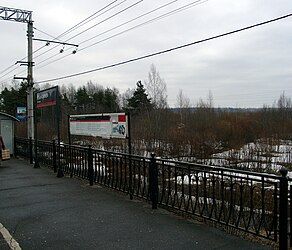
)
(54, 156)
(90, 165)
(71, 161)
(153, 182)
(30, 151)
(283, 210)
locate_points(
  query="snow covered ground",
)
(259, 157)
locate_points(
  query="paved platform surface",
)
(41, 211)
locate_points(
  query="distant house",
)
(7, 130)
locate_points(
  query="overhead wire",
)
(167, 50)
(182, 8)
(88, 19)
(8, 68)
(165, 5)
(127, 22)
(106, 19)
(9, 72)
(24, 58)
(15, 66)
(190, 5)
(81, 23)
(47, 34)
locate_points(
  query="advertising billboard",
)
(112, 125)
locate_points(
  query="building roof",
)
(9, 116)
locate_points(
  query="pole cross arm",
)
(17, 15)
(51, 41)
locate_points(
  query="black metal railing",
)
(239, 199)
(254, 203)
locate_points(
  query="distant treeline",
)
(184, 131)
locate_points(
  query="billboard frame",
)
(104, 125)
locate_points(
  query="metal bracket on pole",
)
(51, 41)
(23, 63)
(19, 78)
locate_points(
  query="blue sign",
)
(21, 113)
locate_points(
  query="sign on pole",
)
(21, 113)
(47, 97)
(112, 125)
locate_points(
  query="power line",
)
(88, 19)
(182, 8)
(195, 3)
(24, 58)
(17, 73)
(85, 21)
(106, 19)
(14, 65)
(47, 34)
(8, 68)
(9, 72)
(167, 50)
(127, 22)
(81, 23)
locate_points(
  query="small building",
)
(7, 130)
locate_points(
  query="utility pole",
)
(24, 16)
(30, 112)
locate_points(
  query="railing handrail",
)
(181, 164)
(231, 197)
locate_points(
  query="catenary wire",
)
(108, 18)
(187, 6)
(190, 5)
(8, 68)
(104, 33)
(81, 23)
(87, 30)
(71, 30)
(167, 50)
(88, 19)
(9, 72)
(15, 64)
(47, 34)
(127, 22)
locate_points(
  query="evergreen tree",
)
(82, 100)
(139, 102)
(111, 102)
(12, 98)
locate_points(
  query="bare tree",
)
(70, 92)
(182, 103)
(46, 86)
(209, 103)
(125, 97)
(156, 88)
(284, 102)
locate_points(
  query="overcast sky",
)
(246, 69)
